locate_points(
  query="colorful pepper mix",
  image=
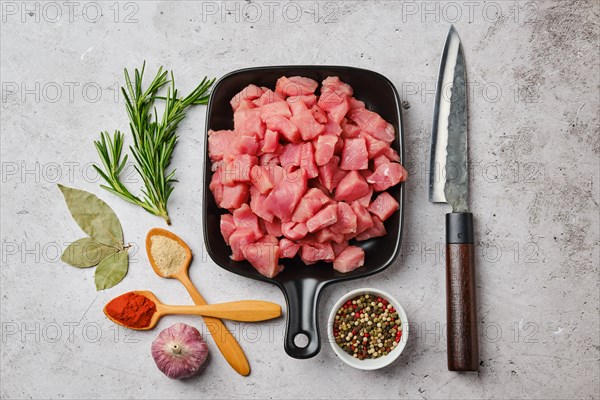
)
(367, 327)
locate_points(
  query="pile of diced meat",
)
(303, 174)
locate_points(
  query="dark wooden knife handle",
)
(461, 304)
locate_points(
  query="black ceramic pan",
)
(301, 284)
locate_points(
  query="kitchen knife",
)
(449, 183)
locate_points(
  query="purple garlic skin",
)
(179, 351)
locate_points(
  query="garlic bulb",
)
(179, 351)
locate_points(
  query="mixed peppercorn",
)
(367, 327)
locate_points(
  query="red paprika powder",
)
(131, 309)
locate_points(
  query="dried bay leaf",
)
(111, 270)
(94, 216)
(86, 252)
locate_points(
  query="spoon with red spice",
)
(225, 341)
(141, 310)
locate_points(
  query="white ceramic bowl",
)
(368, 364)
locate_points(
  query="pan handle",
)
(302, 297)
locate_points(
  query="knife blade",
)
(449, 183)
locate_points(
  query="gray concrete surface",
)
(534, 74)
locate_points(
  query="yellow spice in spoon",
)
(167, 254)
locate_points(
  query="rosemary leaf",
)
(154, 139)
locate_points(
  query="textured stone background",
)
(534, 137)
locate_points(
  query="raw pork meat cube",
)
(268, 97)
(313, 252)
(264, 257)
(365, 201)
(291, 155)
(334, 98)
(311, 202)
(324, 149)
(319, 114)
(277, 174)
(384, 206)
(288, 248)
(335, 104)
(354, 103)
(391, 154)
(243, 217)
(325, 236)
(308, 99)
(346, 219)
(246, 105)
(377, 230)
(269, 239)
(332, 128)
(219, 143)
(259, 176)
(307, 125)
(238, 169)
(247, 121)
(246, 144)
(257, 204)
(238, 241)
(273, 109)
(269, 159)
(227, 226)
(286, 194)
(294, 230)
(297, 105)
(284, 126)
(334, 84)
(349, 259)
(273, 228)
(375, 147)
(330, 175)
(379, 160)
(352, 186)
(363, 218)
(339, 247)
(373, 124)
(250, 92)
(341, 238)
(295, 86)
(339, 111)
(271, 142)
(216, 187)
(354, 154)
(386, 176)
(327, 216)
(350, 130)
(234, 196)
(307, 160)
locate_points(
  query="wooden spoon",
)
(245, 310)
(226, 342)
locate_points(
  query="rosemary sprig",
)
(154, 139)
